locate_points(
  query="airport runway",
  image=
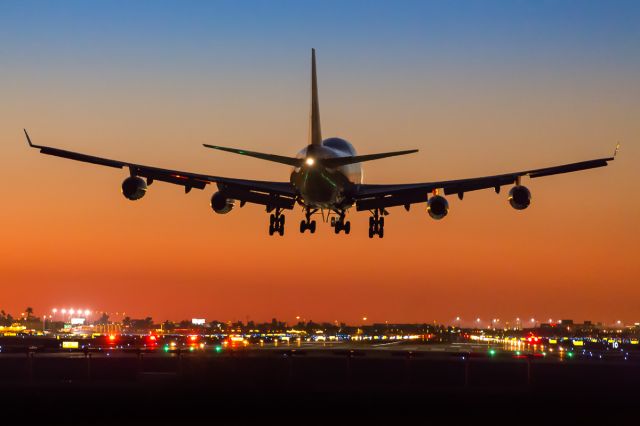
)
(311, 384)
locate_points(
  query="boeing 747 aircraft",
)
(326, 179)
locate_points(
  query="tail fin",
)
(315, 135)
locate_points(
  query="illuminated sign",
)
(77, 321)
(197, 321)
(578, 343)
(69, 345)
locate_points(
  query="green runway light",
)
(492, 352)
(518, 353)
(570, 354)
(218, 349)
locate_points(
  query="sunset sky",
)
(480, 87)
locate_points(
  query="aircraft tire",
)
(312, 227)
(371, 232)
(381, 232)
(303, 226)
(281, 230)
(347, 227)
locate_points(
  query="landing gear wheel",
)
(303, 226)
(376, 223)
(337, 227)
(312, 227)
(347, 227)
(276, 223)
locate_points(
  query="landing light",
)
(310, 161)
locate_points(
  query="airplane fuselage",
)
(323, 187)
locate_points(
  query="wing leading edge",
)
(271, 194)
(370, 197)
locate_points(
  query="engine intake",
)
(438, 207)
(519, 197)
(134, 188)
(220, 203)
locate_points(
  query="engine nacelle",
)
(519, 197)
(134, 188)
(220, 203)
(438, 207)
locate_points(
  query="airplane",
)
(326, 177)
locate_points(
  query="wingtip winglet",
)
(28, 138)
(615, 153)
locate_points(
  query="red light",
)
(193, 338)
(152, 338)
(112, 338)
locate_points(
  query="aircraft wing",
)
(369, 197)
(271, 194)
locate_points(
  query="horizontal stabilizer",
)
(292, 161)
(343, 161)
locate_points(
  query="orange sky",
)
(69, 238)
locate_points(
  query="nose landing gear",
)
(376, 223)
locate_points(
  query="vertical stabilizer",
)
(315, 135)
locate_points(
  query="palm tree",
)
(29, 312)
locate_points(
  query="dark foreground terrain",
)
(316, 386)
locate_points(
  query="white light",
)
(310, 161)
(87, 312)
(64, 311)
(54, 310)
(72, 311)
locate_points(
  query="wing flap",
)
(254, 191)
(380, 196)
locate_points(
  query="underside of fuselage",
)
(326, 187)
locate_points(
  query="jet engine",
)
(438, 207)
(220, 203)
(519, 197)
(134, 188)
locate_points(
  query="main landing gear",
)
(339, 224)
(307, 223)
(376, 224)
(276, 222)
